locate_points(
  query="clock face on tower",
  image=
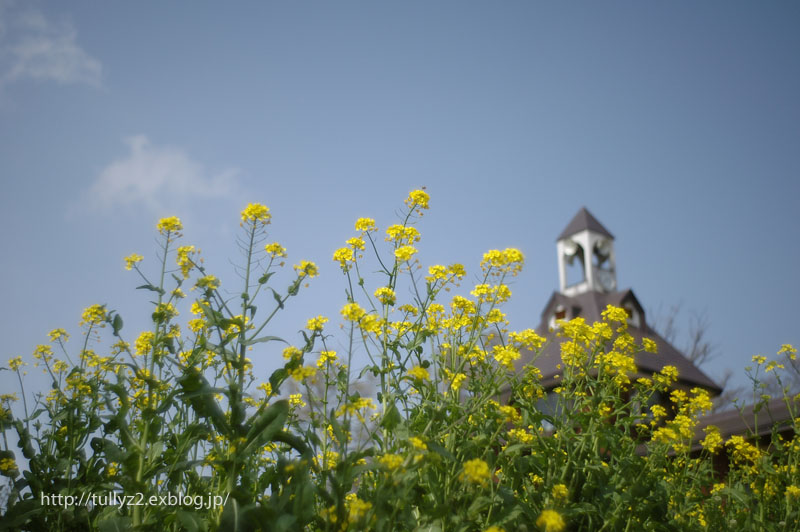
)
(605, 279)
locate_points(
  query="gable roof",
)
(589, 305)
(581, 221)
(775, 413)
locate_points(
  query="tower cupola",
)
(586, 256)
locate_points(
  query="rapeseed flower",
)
(255, 212)
(352, 312)
(649, 345)
(713, 441)
(476, 472)
(551, 521)
(404, 253)
(391, 461)
(419, 373)
(306, 268)
(93, 315)
(365, 224)
(560, 491)
(302, 373)
(418, 198)
(326, 357)
(789, 350)
(385, 295)
(344, 256)
(57, 334)
(417, 443)
(316, 324)
(169, 225)
(275, 249)
(131, 260)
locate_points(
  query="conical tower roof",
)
(582, 221)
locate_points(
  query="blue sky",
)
(677, 125)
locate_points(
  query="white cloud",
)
(37, 48)
(157, 178)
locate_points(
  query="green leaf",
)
(116, 524)
(200, 396)
(151, 288)
(265, 425)
(391, 418)
(261, 339)
(191, 521)
(264, 278)
(276, 379)
(277, 297)
(116, 324)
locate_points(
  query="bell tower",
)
(586, 256)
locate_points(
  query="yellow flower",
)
(184, 260)
(759, 359)
(352, 312)
(325, 357)
(365, 224)
(417, 443)
(306, 268)
(291, 352)
(169, 225)
(132, 259)
(612, 313)
(303, 372)
(560, 491)
(713, 441)
(458, 379)
(418, 373)
(94, 315)
(436, 272)
(344, 256)
(58, 334)
(790, 351)
(207, 282)
(509, 260)
(316, 324)
(357, 243)
(793, 492)
(255, 212)
(418, 198)
(296, 399)
(275, 249)
(8, 465)
(743, 451)
(385, 295)
(658, 411)
(666, 376)
(649, 345)
(527, 338)
(15, 363)
(551, 521)
(494, 529)
(356, 508)
(476, 472)
(521, 435)
(391, 461)
(404, 253)
(505, 356)
(144, 343)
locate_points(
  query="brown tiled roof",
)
(746, 423)
(581, 221)
(589, 305)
